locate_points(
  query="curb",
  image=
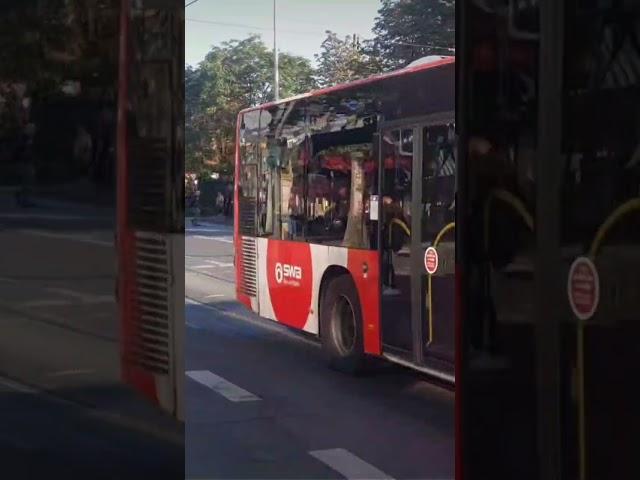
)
(93, 411)
(207, 220)
(47, 201)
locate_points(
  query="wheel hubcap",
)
(344, 324)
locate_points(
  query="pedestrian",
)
(83, 152)
(220, 203)
(196, 207)
(228, 200)
(27, 165)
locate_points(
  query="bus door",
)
(418, 248)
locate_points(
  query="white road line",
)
(83, 297)
(348, 464)
(208, 230)
(115, 418)
(46, 303)
(65, 373)
(213, 264)
(262, 323)
(223, 387)
(63, 236)
(46, 216)
(18, 387)
(220, 264)
(215, 295)
(215, 239)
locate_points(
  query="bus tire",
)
(341, 332)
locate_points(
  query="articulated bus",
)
(344, 216)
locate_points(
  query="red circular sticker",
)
(583, 288)
(431, 260)
(290, 280)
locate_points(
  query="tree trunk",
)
(354, 236)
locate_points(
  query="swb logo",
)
(289, 274)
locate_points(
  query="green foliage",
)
(345, 60)
(239, 73)
(233, 76)
(409, 29)
(44, 43)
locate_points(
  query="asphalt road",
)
(60, 386)
(261, 403)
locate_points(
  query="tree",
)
(44, 43)
(233, 76)
(409, 29)
(355, 233)
(345, 60)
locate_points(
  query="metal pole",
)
(549, 286)
(276, 81)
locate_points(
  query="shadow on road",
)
(41, 434)
(278, 348)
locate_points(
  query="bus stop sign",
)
(583, 288)
(431, 260)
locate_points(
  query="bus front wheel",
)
(341, 326)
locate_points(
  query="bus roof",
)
(364, 81)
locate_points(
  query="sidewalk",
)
(76, 196)
(212, 220)
(82, 192)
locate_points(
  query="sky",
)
(300, 24)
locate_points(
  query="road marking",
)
(208, 230)
(223, 387)
(18, 387)
(259, 322)
(46, 216)
(126, 421)
(220, 264)
(83, 297)
(65, 236)
(213, 264)
(46, 303)
(348, 464)
(215, 239)
(64, 373)
(215, 295)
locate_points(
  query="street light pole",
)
(276, 80)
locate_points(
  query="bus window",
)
(342, 172)
(439, 177)
(283, 158)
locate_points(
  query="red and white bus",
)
(344, 216)
(150, 211)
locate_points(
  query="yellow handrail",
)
(401, 224)
(511, 200)
(499, 194)
(441, 234)
(627, 207)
